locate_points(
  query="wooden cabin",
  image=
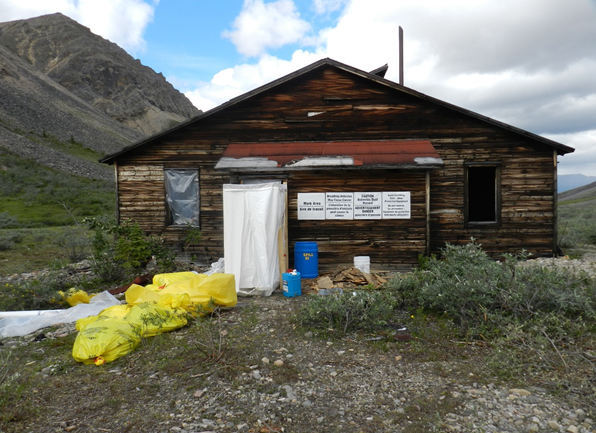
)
(372, 168)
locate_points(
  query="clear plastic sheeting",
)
(25, 322)
(253, 215)
(182, 195)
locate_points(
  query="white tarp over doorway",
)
(253, 215)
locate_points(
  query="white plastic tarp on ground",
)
(253, 215)
(17, 324)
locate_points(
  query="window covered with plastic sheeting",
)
(182, 196)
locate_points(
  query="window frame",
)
(497, 185)
(169, 222)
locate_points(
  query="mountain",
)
(584, 192)
(36, 113)
(566, 182)
(67, 98)
(97, 71)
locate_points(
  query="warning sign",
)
(339, 205)
(367, 205)
(396, 205)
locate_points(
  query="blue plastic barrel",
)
(291, 284)
(306, 259)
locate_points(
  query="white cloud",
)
(266, 25)
(583, 160)
(530, 64)
(120, 21)
(232, 82)
(324, 6)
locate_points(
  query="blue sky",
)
(188, 44)
(530, 63)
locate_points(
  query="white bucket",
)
(362, 263)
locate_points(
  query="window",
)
(482, 189)
(182, 196)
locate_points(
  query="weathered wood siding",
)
(389, 242)
(354, 108)
(527, 196)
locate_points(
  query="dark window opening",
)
(482, 194)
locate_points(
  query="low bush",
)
(36, 194)
(348, 311)
(7, 221)
(576, 225)
(8, 239)
(121, 251)
(75, 243)
(38, 294)
(482, 295)
(540, 321)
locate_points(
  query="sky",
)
(530, 63)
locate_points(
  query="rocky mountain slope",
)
(97, 71)
(36, 112)
(65, 92)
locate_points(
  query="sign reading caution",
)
(354, 205)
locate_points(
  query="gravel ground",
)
(285, 380)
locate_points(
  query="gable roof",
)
(372, 76)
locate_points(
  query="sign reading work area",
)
(354, 205)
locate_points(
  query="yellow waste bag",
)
(221, 287)
(75, 296)
(113, 312)
(138, 294)
(118, 330)
(200, 287)
(188, 279)
(104, 340)
(150, 319)
(151, 310)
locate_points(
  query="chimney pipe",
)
(401, 56)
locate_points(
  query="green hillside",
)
(33, 195)
(577, 219)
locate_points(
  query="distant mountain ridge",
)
(584, 192)
(571, 181)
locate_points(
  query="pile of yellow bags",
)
(159, 307)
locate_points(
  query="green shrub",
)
(576, 225)
(193, 237)
(122, 250)
(483, 295)
(348, 312)
(132, 247)
(75, 243)
(8, 239)
(549, 347)
(35, 194)
(7, 221)
(39, 294)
